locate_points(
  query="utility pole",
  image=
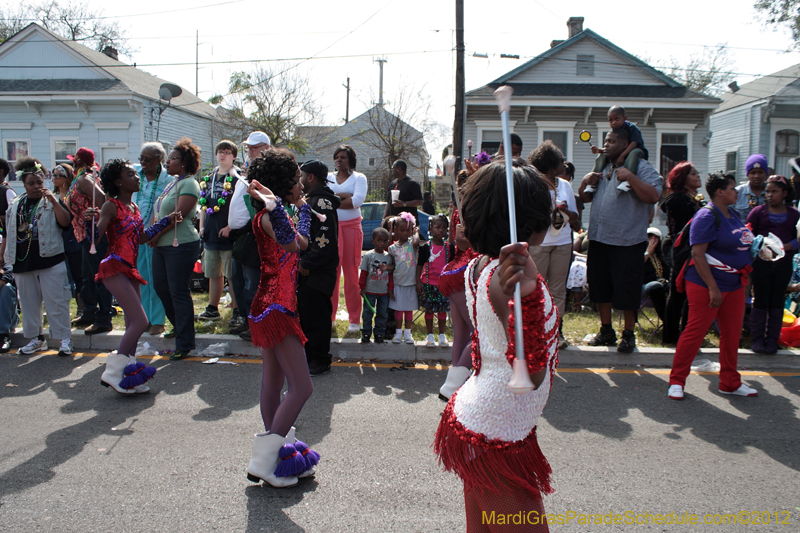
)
(347, 109)
(196, 61)
(380, 90)
(458, 123)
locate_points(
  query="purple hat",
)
(756, 161)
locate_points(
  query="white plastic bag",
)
(216, 350)
(144, 348)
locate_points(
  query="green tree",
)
(784, 12)
(276, 100)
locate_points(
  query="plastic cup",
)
(395, 195)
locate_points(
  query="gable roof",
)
(588, 34)
(665, 88)
(121, 76)
(784, 84)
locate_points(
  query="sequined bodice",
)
(124, 233)
(278, 283)
(484, 404)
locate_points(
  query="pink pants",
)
(729, 319)
(351, 236)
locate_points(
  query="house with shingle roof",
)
(570, 87)
(761, 117)
(57, 95)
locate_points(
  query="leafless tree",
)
(276, 100)
(708, 72)
(72, 20)
(781, 12)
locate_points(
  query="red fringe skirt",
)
(111, 267)
(493, 465)
(273, 327)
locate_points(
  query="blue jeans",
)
(244, 282)
(381, 305)
(8, 309)
(95, 296)
(172, 276)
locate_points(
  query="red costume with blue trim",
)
(273, 315)
(124, 232)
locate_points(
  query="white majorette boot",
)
(266, 448)
(114, 372)
(310, 457)
(456, 376)
(148, 372)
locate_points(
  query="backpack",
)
(681, 249)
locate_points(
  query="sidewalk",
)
(353, 350)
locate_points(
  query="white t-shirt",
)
(356, 185)
(562, 193)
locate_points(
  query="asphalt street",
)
(75, 456)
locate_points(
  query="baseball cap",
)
(258, 137)
(654, 231)
(317, 168)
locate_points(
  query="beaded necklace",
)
(26, 222)
(207, 194)
(152, 193)
(167, 190)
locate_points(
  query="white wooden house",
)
(570, 87)
(58, 95)
(762, 117)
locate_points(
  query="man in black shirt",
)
(410, 193)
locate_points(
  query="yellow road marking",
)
(424, 366)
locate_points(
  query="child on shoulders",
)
(617, 119)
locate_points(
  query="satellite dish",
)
(168, 91)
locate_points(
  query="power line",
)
(106, 17)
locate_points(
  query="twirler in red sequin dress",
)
(123, 233)
(452, 277)
(273, 315)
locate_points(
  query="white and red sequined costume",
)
(487, 434)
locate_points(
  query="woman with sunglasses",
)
(771, 278)
(62, 179)
(554, 256)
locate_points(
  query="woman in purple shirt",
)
(771, 278)
(714, 283)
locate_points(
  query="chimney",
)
(575, 25)
(556, 42)
(111, 52)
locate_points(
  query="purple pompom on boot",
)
(290, 462)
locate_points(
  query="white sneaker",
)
(35, 345)
(743, 390)
(353, 328)
(66, 347)
(407, 336)
(398, 337)
(675, 392)
(443, 341)
(429, 341)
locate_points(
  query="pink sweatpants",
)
(351, 236)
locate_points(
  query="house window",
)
(674, 149)
(559, 138)
(15, 149)
(585, 65)
(491, 141)
(730, 161)
(62, 147)
(372, 161)
(787, 147)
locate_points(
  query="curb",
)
(353, 350)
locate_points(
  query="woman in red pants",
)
(714, 282)
(351, 187)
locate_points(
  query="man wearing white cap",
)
(245, 265)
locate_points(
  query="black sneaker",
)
(364, 338)
(317, 369)
(606, 337)
(378, 339)
(209, 314)
(628, 342)
(245, 335)
(236, 320)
